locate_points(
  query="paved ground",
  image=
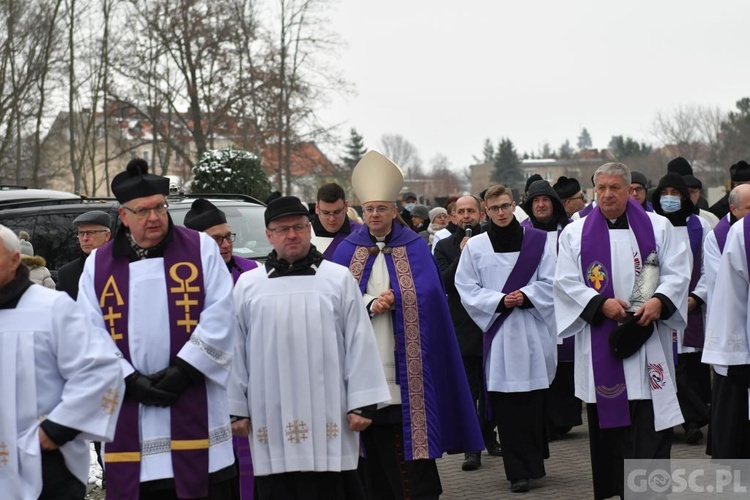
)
(568, 472)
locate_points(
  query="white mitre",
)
(376, 178)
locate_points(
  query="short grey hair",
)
(10, 240)
(614, 168)
(735, 195)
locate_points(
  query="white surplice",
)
(572, 296)
(209, 350)
(321, 242)
(53, 365)
(306, 356)
(711, 261)
(523, 354)
(728, 329)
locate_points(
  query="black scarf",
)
(505, 239)
(306, 266)
(12, 292)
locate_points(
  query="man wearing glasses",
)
(92, 230)
(331, 226)
(307, 368)
(569, 191)
(205, 217)
(163, 294)
(431, 410)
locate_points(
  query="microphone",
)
(467, 233)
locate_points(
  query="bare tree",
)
(402, 153)
(690, 131)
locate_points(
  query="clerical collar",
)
(323, 233)
(619, 223)
(381, 239)
(306, 266)
(505, 239)
(12, 292)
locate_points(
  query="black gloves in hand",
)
(177, 377)
(740, 375)
(142, 389)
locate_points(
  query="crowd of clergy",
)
(365, 348)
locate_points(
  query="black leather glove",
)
(739, 375)
(142, 389)
(177, 377)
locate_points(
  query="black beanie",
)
(136, 182)
(204, 214)
(283, 206)
(680, 165)
(565, 187)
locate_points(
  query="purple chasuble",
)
(695, 333)
(189, 423)
(437, 411)
(721, 231)
(596, 266)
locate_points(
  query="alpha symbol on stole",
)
(111, 290)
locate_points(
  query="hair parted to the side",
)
(614, 168)
(331, 193)
(497, 190)
(10, 240)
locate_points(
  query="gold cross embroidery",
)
(596, 277)
(110, 317)
(186, 304)
(296, 432)
(110, 400)
(3, 455)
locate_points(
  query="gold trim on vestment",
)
(413, 351)
(123, 456)
(189, 444)
(357, 264)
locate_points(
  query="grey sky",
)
(446, 75)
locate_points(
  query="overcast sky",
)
(446, 75)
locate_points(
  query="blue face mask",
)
(409, 206)
(670, 204)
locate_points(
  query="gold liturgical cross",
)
(596, 277)
(296, 432)
(187, 303)
(3, 455)
(110, 317)
(110, 401)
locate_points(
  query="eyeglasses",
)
(142, 213)
(326, 214)
(283, 230)
(92, 232)
(637, 189)
(381, 210)
(219, 239)
(505, 207)
(581, 197)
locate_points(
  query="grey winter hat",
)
(420, 211)
(26, 246)
(93, 217)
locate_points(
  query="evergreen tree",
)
(230, 170)
(566, 151)
(627, 147)
(489, 151)
(507, 164)
(735, 131)
(355, 149)
(584, 140)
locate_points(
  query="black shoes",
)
(519, 486)
(494, 449)
(472, 461)
(693, 434)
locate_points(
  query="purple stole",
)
(721, 231)
(189, 423)
(746, 232)
(695, 333)
(530, 255)
(340, 236)
(241, 265)
(242, 445)
(596, 265)
(586, 210)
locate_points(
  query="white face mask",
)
(670, 204)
